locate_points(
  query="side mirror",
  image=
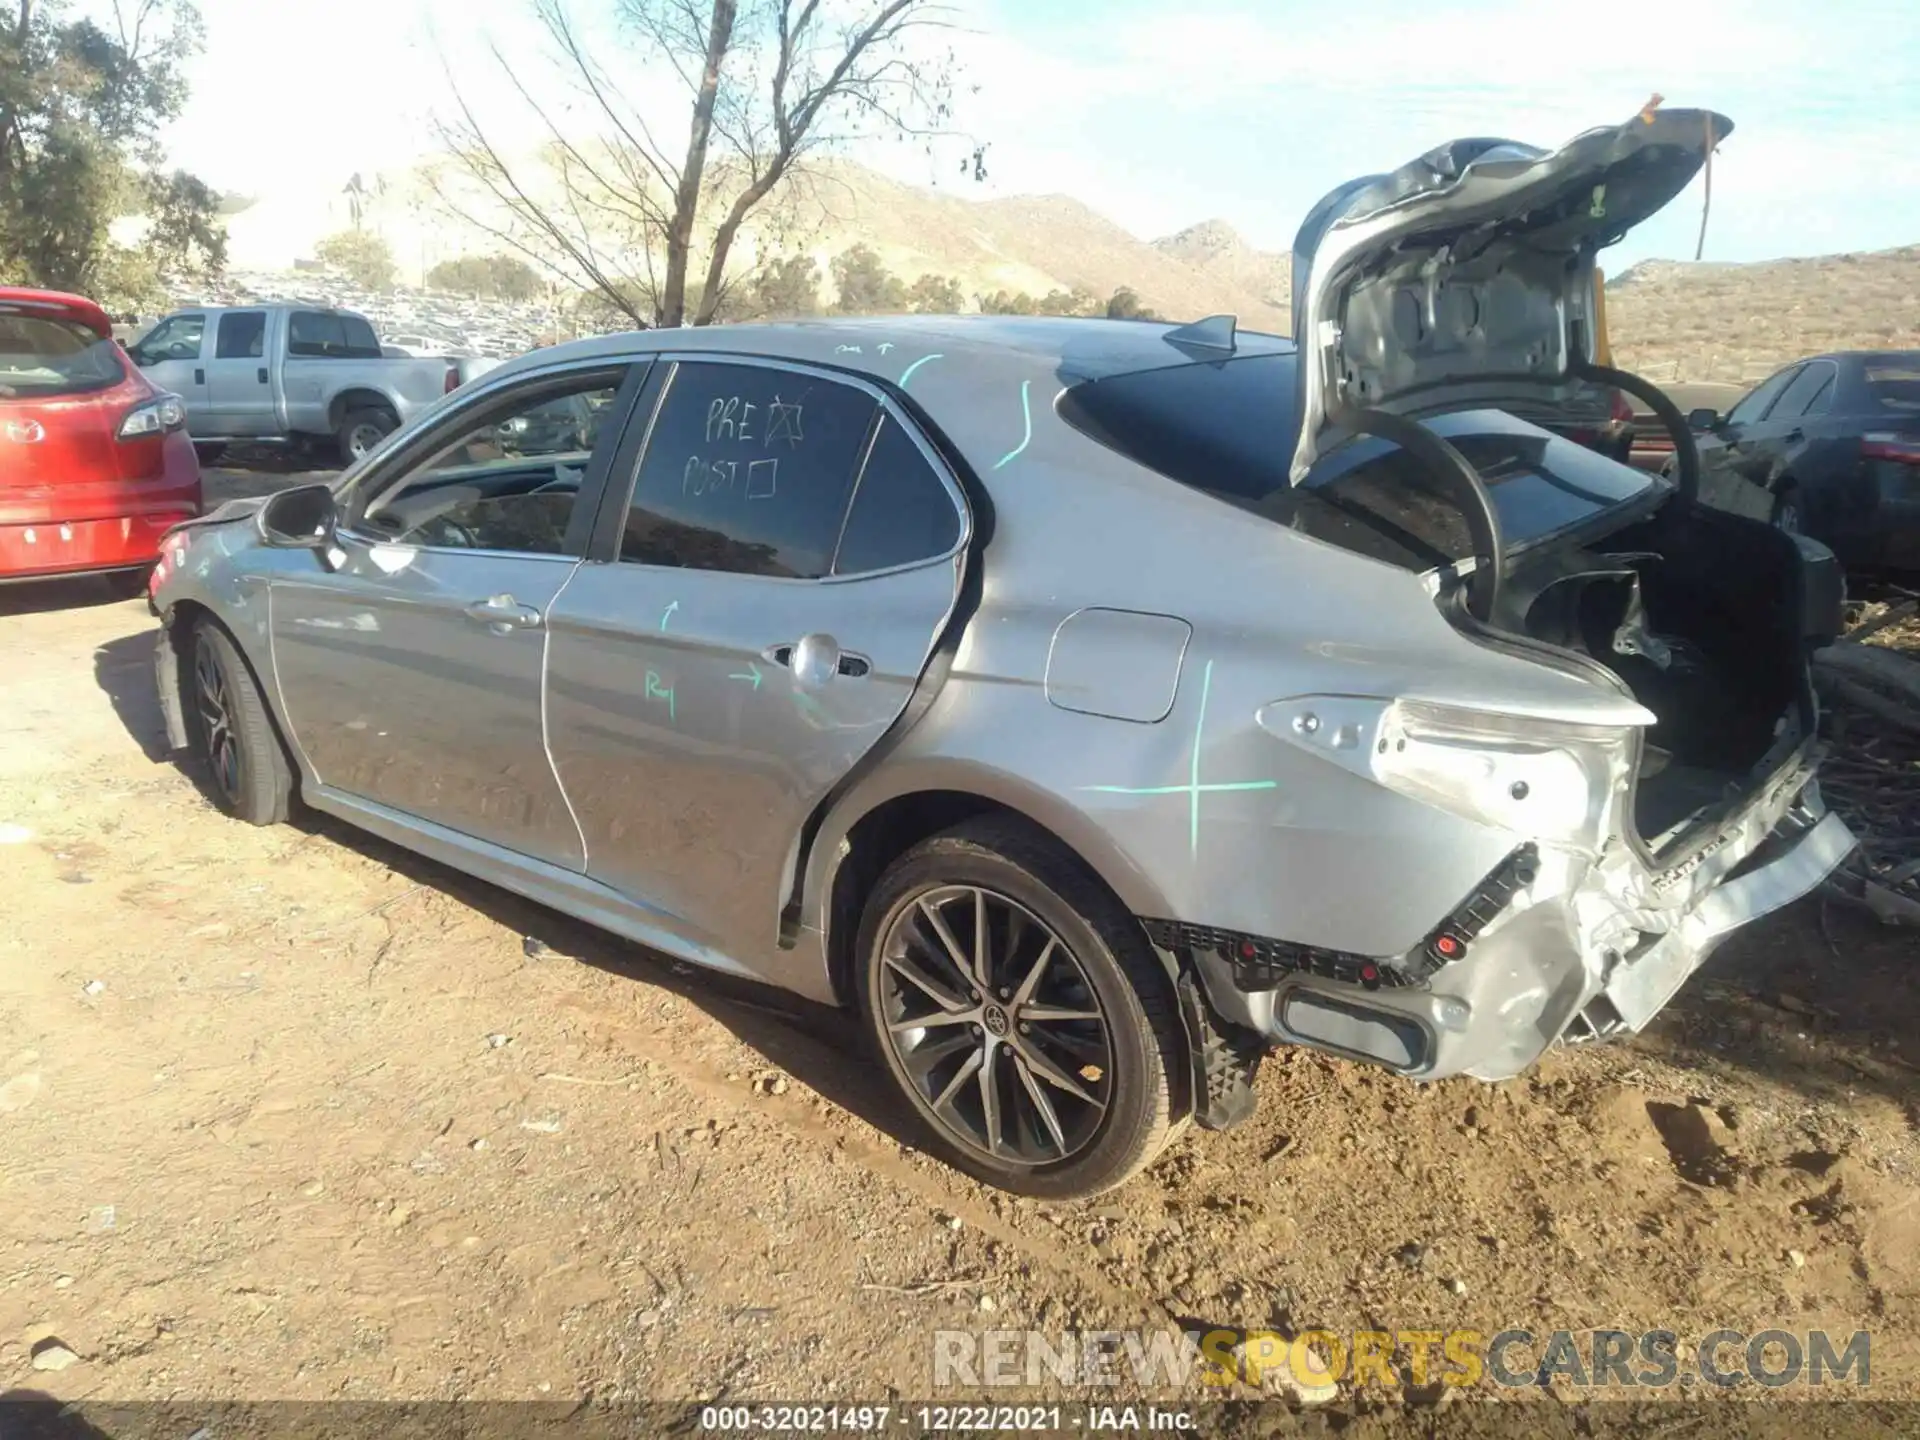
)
(1701, 421)
(299, 519)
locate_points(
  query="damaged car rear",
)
(1636, 784)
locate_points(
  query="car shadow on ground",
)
(123, 668)
(36, 1415)
(808, 1041)
(75, 592)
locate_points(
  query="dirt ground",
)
(289, 1113)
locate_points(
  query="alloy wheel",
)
(996, 1025)
(216, 718)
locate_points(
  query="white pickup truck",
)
(277, 374)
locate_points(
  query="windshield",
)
(1227, 429)
(43, 355)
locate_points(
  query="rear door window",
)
(324, 335)
(749, 469)
(1809, 394)
(362, 343)
(242, 335)
(46, 355)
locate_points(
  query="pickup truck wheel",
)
(1020, 1011)
(361, 430)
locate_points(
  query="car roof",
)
(1078, 349)
(994, 373)
(72, 307)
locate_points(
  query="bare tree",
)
(767, 84)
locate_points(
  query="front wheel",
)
(1788, 512)
(231, 731)
(361, 430)
(1021, 1011)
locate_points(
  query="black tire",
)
(1100, 958)
(128, 584)
(231, 731)
(361, 430)
(209, 451)
(1789, 510)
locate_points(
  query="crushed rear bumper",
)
(1585, 950)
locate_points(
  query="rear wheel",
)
(361, 430)
(1021, 1011)
(231, 731)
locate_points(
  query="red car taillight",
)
(158, 416)
(1621, 412)
(453, 379)
(1900, 449)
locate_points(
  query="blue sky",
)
(1163, 114)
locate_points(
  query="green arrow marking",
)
(754, 677)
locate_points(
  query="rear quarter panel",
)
(1203, 815)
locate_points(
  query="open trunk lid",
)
(1466, 277)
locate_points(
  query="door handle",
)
(199, 377)
(846, 662)
(1796, 433)
(502, 613)
(263, 374)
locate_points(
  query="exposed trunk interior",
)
(1703, 615)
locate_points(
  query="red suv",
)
(95, 461)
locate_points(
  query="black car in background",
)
(1834, 440)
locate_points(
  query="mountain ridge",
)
(1713, 320)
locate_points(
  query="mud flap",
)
(1225, 1058)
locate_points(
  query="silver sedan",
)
(1092, 705)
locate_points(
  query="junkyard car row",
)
(1092, 706)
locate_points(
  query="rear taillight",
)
(1901, 449)
(1621, 412)
(453, 379)
(158, 416)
